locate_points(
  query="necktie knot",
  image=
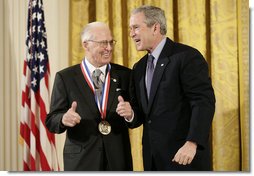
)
(150, 59)
(97, 72)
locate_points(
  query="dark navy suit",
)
(180, 108)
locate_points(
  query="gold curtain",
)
(220, 31)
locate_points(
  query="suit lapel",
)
(142, 84)
(143, 94)
(114, 79)
(158, 72)
(163, 61)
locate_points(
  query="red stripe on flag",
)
(32, 163)
(43, 115)
(25, 97)
(25, 166)
(25, 133)
(36, 132)
(24, 68)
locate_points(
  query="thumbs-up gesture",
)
(124, 108)
(71, 118)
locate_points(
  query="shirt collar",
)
(157, 51)
(91, 68)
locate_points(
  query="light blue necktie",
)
(149, 73)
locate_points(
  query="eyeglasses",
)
(104, 43)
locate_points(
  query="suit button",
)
(149, 121)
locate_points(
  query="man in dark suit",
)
(171, 95)
(83, 103)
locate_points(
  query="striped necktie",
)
(98, 84)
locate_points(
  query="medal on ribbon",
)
(104, 127)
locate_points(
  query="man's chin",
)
(107, 60)
(139, 48)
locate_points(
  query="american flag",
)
(39, 151)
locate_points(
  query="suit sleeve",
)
(198, 89)
(59, 105)
(138, 116)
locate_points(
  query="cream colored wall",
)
(13, 23)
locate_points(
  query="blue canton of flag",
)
(37, 57)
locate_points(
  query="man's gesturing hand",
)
(124, 108)
(71, 118)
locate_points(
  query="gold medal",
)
(104, 127)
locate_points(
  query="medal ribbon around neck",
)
(105, 90)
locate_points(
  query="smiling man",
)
(171, 95)
(83, 103)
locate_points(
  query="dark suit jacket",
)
(84, 145)
(180, 108)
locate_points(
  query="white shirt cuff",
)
(131, 118)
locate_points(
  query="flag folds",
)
(39, 151)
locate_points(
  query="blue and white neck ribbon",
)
(102, 106)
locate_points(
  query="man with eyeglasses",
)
(83, 103)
